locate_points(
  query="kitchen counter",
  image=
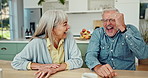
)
(27, 40)
(9, 72)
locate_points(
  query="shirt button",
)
(112, 40)
(111, 50)
(131, 44)
(122, 43)
(113, 67)
(126, 36)
(107, 46)
(102, 47)
(112, 59)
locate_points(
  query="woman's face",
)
(60, 31)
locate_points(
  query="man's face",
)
(109, 23)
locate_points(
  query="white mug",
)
(89, 75)
(1, 74)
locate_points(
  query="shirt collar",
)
(49, 43)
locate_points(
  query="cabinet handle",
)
(3, 48)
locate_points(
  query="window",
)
(4, 20)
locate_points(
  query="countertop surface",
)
(9, 72)
(27, 40)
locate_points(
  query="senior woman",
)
(51, 49)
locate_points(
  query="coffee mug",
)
(1, 76)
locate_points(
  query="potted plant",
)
(145, 35)
(144, 30)
(61, 1)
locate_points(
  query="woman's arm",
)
(72, 53)
(41, 66)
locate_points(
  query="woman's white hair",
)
(48, 21)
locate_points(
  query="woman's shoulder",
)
(37, 41)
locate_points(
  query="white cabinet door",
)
(130, 11)
(126, 1)
(78, 5)
(31, 4)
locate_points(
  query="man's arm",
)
(92, 57)
(105, 71)
(135, 42)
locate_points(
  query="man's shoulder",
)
(129, 26)
(99, 30)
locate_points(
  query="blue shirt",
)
(118, 51)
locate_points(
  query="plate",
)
(81, 39)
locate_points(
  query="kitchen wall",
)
(82, 19)
(85, 20)
(81, 13)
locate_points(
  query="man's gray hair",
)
(109, 9)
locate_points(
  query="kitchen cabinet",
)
(31, 4)
(74, 5)
(130, 9)
(9, 50)
(83, 49)
(126, 1)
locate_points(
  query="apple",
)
(87, 37)
(88, 32)
(83, 30)
(81, 33)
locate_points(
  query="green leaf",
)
(40, 2)
(62, 1)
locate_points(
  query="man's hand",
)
(119, 19)
(105, 71)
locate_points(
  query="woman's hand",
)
(45, 72)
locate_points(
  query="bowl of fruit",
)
(85, 34)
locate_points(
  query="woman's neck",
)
(56, 42)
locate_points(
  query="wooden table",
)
(9, 72)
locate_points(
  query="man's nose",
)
(108, 22)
